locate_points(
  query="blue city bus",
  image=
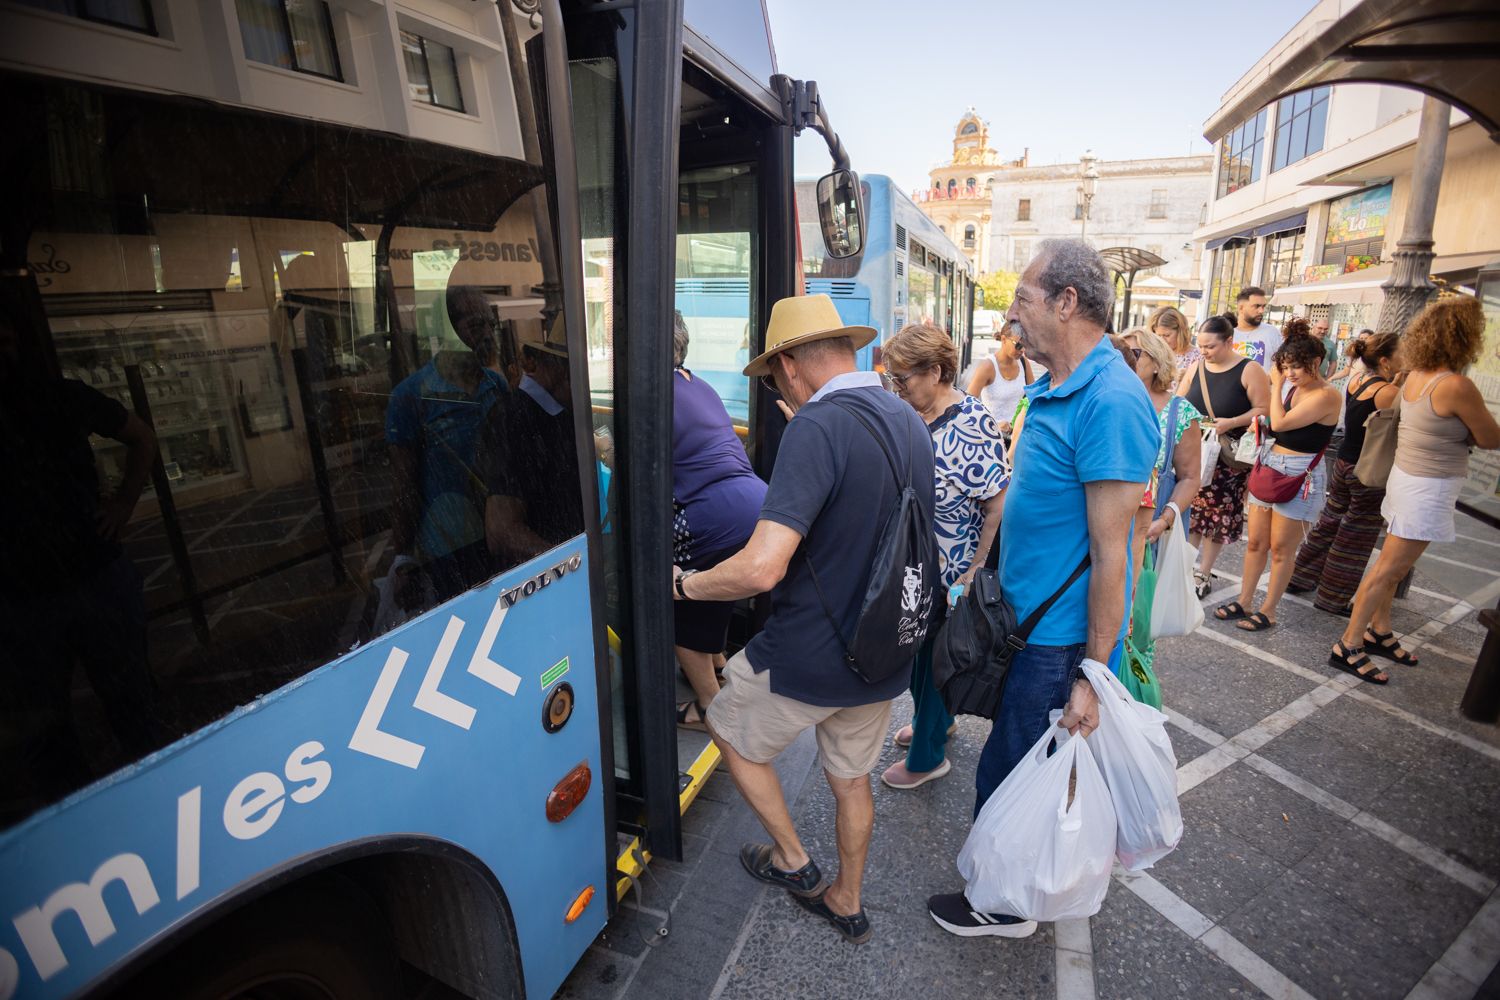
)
(909, 271)
(335, 408)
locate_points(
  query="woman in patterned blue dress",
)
(971, 476)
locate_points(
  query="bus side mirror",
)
(840, 213)
(978, 297)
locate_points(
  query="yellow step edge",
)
(698, 774)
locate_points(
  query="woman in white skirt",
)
(1443, 415)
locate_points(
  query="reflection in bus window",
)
(329, 375)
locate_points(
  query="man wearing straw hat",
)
(830, 493)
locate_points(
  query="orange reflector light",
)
(579, 905)
(568, 793)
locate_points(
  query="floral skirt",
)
(1219, 507)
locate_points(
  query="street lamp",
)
(1089, 184)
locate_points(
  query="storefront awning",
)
(1360, 286)
(1283, 225)
(1364, 286)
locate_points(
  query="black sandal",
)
(1388, 647)
(699, 723)
(1257, 622)
(1360, 665)
(1230, 611)
(854, 928)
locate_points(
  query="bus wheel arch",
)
(428, 902)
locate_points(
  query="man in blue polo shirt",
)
(1082, 459)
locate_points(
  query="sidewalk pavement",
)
(1342, 840)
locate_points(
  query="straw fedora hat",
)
(802, 319)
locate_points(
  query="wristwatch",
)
(677, 583)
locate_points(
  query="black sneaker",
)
(953, 914)
(805, 881)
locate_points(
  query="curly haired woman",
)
(1443, 415)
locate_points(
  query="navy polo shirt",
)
(834, 487)
(1098, 425)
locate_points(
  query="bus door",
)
(716, 246)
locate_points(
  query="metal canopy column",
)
(1409, 286)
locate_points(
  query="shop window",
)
(1283, 259)
(1158, 209)
(1023, 210)
(431, 72)
(1230, 275)
(292, 34)
(132, 14)
(1301, 121)
(1240, 154)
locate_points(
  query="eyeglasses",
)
(1135, 352)
(769, 381)
(898, 382)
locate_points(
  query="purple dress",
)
(716, 495)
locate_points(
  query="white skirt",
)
(1420, 508)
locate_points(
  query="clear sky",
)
(1125, 79)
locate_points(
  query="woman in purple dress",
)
(716, 500)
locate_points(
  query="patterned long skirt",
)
(1219, 508)
(1334, 554)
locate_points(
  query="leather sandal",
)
(1356, 663)
(1230, 611)
(1386, 646)
(1257, 622)
(699, 723)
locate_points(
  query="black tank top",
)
(1356, 412)
(1225, 391)
(1307, 440)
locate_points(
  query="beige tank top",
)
(1429, 445)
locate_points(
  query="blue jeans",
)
(930, 719)
(1041, 679)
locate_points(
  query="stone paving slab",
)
(1347, 857)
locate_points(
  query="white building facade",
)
(429, 69)
(1151, 204)
(1310, 194)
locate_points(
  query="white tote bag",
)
(1175, 609)
(1135, 754)
(1032, 852)
(1210, 455)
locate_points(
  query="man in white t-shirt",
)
(1254, 338)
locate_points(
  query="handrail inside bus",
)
(603, 411)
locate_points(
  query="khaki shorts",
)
(759, 723)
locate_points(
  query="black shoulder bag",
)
(896, 611)
(972, 656)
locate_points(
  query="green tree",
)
(999, 289)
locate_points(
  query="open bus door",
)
(721, 251)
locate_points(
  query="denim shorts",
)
(1308, 502)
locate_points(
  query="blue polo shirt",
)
(1098, 425)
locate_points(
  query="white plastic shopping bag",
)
(1136, 758)
(1209, 455)
(1033, 852)
(1175, 608)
